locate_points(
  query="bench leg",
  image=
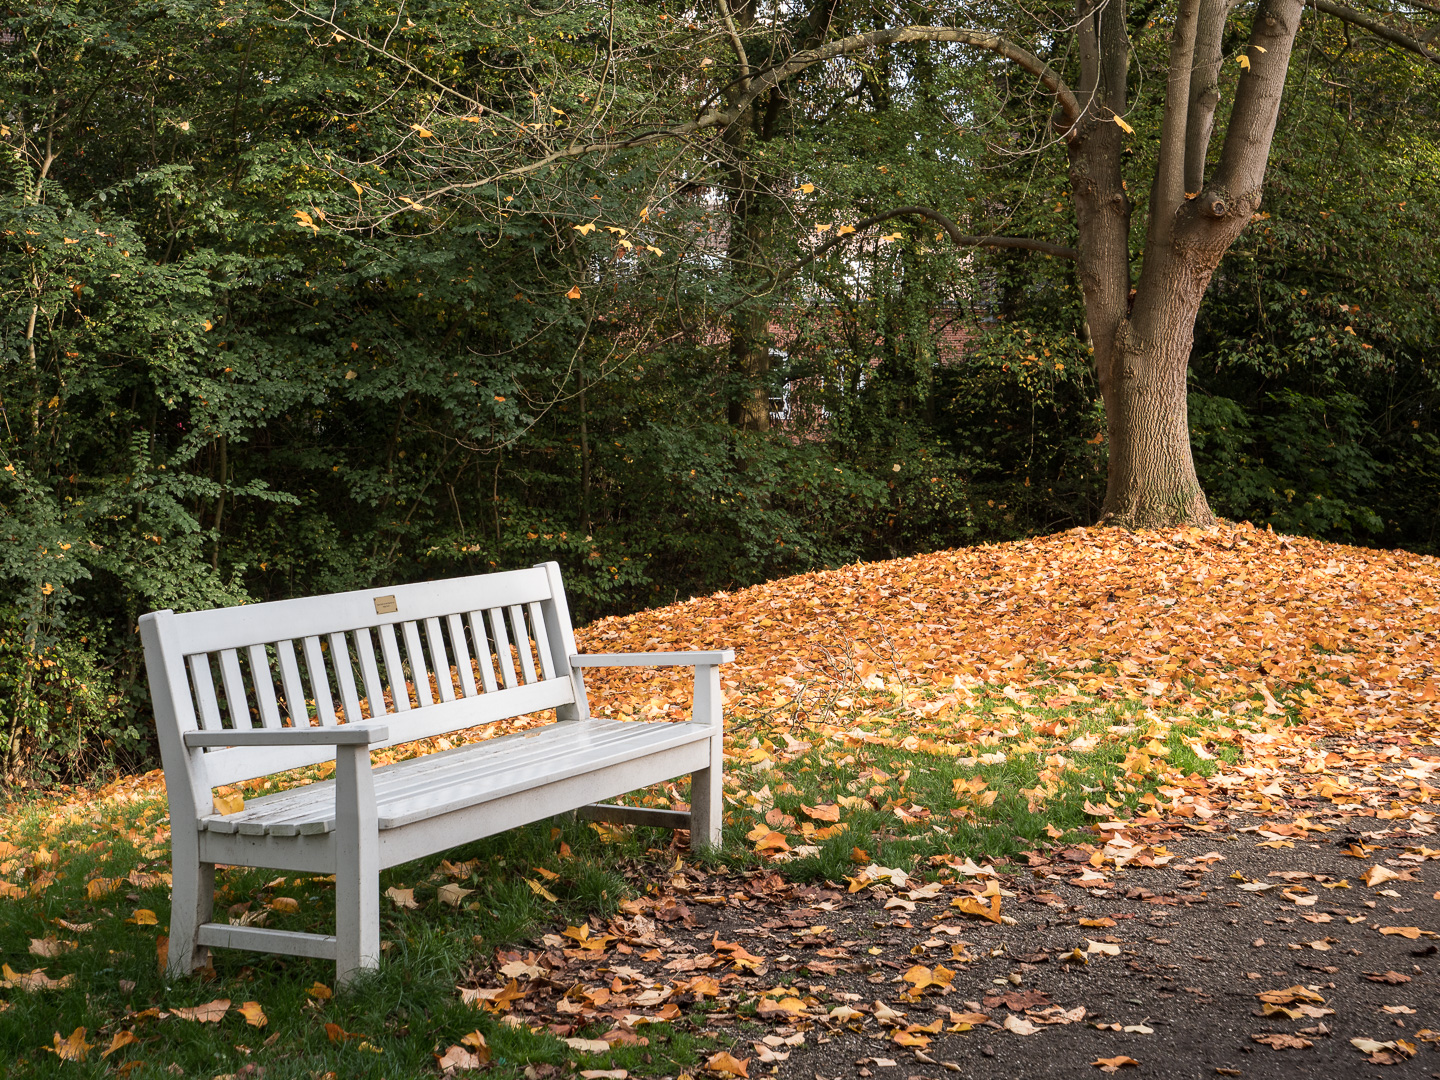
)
(357, 866)
(192, 902)
(706, 813)
(706, 808)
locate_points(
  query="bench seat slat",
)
(425, 787)
(409, 778)
(296, 805)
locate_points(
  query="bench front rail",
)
(252, 691)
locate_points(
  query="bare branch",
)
(718, 118)
(1375, 26)
(980, 39)
(959, 239)
(739, 46)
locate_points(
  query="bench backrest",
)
(431, 658)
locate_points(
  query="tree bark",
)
(1151, 477)
(751, 223)
(749, 406)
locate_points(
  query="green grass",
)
(410, 1010)
(407, 1011)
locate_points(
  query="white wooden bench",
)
(383, 667)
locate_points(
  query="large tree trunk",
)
(1143, 336)
(1151, 480)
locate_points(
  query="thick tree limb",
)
(1087, 40)
(1114, 55)
(958, 238)
(1236, 186)
(1375, 26)
(1204, 88)
(1168, 190)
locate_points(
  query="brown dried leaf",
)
(210, 1013)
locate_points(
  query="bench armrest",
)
(344, 735)
(697, 658)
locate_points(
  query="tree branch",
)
(1236, 187)
(1059, 251)
(1204, 88)
(980, 39)
(1375, 26)
(952, 230)
(1088, 47)
(715, 117)
(1114, 55)
(1168, 191)
(739, 46)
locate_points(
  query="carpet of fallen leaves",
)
(1312, 665)
(1318, 662)
(1190, 619)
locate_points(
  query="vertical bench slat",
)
(345, 677)
(496, 618)
(205, 692)
(370, 672)
(418, 671)
(263, 680)
(319, 681)
(522, 642)
(290, 681)
(394, 669)
(542, 640)
(440, 663)
(236, 704)
(562, 646)
(462, 655)
(482, 650)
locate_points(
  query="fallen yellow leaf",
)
(75, 1048)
